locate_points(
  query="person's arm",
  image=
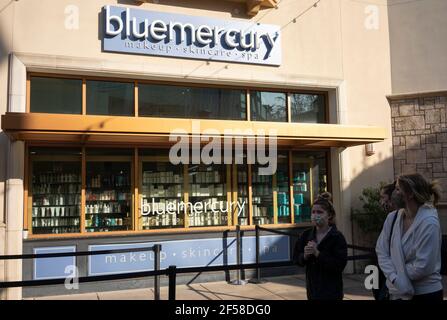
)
(383, 250)
(299, 251)
(427, 246)
(334, 260)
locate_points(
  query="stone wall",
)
(420, 140)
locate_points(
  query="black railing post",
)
(238, 281)
(258, 255)
(157, 249)
(172, 273)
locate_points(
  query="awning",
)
(43, 127)
(253, 6)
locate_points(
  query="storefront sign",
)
(182, 253)
(53, 268)
(188, 253)
(165, 34)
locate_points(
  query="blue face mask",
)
(317, 219)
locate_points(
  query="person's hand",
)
(311, 249)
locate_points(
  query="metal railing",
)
(172, 271)
(29, 283)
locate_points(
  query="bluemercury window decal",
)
(165, 34)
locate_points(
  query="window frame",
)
(137, 158)
(136, 82)
(54, 76)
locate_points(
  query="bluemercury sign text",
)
(164, 34)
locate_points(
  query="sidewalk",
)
(275, 288)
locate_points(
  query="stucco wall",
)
(418, 46)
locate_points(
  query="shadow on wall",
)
(4, 51)
(237, 10)
(365, 176)
(419, 145)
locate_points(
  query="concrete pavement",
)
(274, 288)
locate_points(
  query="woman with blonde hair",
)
(409, 246)
(323, 251)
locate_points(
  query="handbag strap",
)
(392, 228)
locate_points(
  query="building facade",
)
(418, 99)
(94, 90)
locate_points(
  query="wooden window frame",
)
(136, 83)
(136, 161)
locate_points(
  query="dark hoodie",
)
(324, 279)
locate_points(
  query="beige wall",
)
(366, 81)
(309, 41)
(6, 19)
(366, 71)
(328, 47)
(418, 45)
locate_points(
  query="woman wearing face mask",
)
(409, 246)
(322, 250)
(386, 200)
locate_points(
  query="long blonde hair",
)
(421, 189)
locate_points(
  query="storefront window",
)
(283, 190)
(242, 195)
(108, 190)
(191, 102)
(208, 195)
(268, 106)
(262, 192)
(308, 108)
(168, 197)
(55, 190)
(52, 95)
(310, 177)
(162, 193)
(110, 98)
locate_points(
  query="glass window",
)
(190, 102)
(308, 108)
(55, 189)
(53, 95)
(262, 197)
(242, 194)
(268, 106)
(310, 177)
(108, 192)
(110, 98)
(283, 190)
(162, 195)
(208, 195)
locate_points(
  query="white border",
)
(35, 250)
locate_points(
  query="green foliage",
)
(371, 216)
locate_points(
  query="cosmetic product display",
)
(301, 194)
(242, 195)
(56, 197)
(283, 193)
(162, 193)
(207, 184)
(262, 197)
(108, 197)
